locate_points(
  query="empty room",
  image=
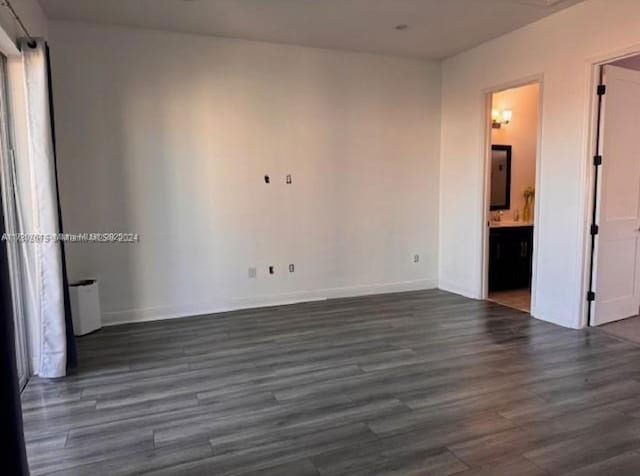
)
(320, 237)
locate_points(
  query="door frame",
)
(487, 127)
(593, 196)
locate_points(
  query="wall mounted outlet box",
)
(271, 270)
(292, 268)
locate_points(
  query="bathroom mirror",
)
(500, 177)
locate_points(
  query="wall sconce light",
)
(500, 118)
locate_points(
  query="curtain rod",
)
(7, 3)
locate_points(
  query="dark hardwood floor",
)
(406, 384)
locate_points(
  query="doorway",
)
(510, 206)
(614, 292)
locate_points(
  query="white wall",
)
(561, 48)
(522, 135)
(169, 136)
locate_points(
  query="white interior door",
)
(617, 278)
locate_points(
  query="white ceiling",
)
(437, 28)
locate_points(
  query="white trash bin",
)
(85, 306)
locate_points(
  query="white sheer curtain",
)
(42, 262)
(7, 176)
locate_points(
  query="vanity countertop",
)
(509, 224)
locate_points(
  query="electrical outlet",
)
(267, 179)
(253, 272)
(416, 258)
(271, 270)
(289, 180)
(292, 268)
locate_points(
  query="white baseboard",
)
(174, 312)
(452, 288)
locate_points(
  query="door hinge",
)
(591, 296)
(597, 160)
(602, 89)
(595, 229)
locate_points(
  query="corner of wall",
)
(31, 14)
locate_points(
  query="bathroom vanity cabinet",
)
(510, 257)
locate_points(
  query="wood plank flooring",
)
(626, 329)
(414, 383)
